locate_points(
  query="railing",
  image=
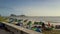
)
(19, 30)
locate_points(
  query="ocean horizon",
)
(41, 18)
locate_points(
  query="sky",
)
(30, 7)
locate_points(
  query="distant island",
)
(13, 15)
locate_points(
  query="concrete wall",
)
(19, 30)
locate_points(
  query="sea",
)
(55, 19)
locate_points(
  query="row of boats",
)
(32, 25)
(36, 26)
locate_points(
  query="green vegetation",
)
(52, 32)
(3, 19)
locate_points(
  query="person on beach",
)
(43, 26)
(48, 24)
